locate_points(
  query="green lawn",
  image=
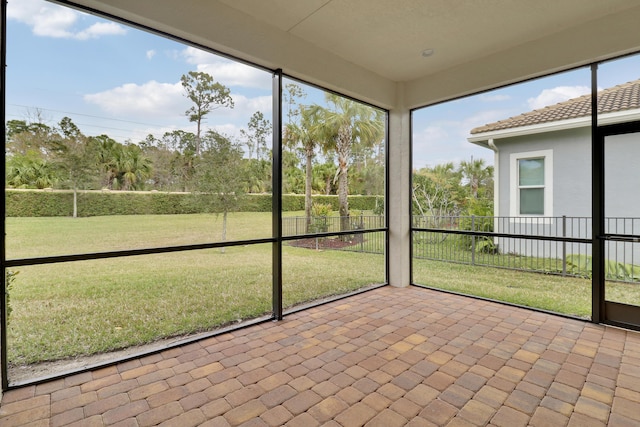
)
(565, 295)
(559, 294)
(544, 287)
(77, 308)
(69, 309)
(30, 237)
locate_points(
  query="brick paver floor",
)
(389, 357)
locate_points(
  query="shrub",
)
(378, 208)
(38, 203)
(42, 203)
(319, 214)
(582, 265)
(292, 202)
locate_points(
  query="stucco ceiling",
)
(372, 49)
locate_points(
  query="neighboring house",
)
(543, 172)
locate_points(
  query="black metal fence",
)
(557, 245)
(300, 225)
(551, 245)
(359, 241)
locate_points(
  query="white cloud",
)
(556, 95)
(444, 141)
(155, 102)
(151, 99)
(435, 145)
(225, 71)
(198, 56)
(244, 106)
(481, 118)
(50, 20)
(428, 145)
(151, 53)
(165, 99)
(100, 29)
(432, 135)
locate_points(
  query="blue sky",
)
(114, 79)
(124, 82)
(441, 131)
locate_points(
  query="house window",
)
(532, 183)
(531, 186)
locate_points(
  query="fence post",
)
(473, 240)
(564, 245)
(361, 235)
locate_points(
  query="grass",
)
(559, 294)
(542, 288)
(565, 295)
(457, 248)
(70, 309)
(30, 237)
(80, 308)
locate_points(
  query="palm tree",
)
(476, 175)
(323, 177)
(307, 135)
(133, 167)
(29, 171)
(107, 153)
(344, 124)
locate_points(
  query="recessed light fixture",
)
(428, 52)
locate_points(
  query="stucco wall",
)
(571, 169)
(572, 192)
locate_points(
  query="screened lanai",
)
(395, 58)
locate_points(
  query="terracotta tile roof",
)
(618, 98)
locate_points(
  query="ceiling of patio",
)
(373, 49)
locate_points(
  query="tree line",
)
(332, 149)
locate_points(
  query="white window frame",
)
(514, 199)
